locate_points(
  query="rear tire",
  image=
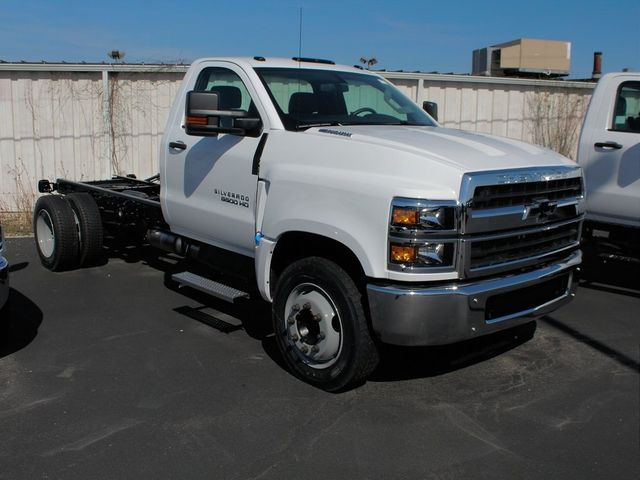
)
(89, 227)
(56, 233)
(320, 325)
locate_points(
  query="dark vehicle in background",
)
(4, 273)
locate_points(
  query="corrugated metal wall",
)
(528, 110)
(89, 122)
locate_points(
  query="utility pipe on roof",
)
(106, 122)
(597, 65)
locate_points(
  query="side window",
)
(283, 88)
(232, 93)
(626, 115)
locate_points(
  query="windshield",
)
(307, 98)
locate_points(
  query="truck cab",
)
(609, 152)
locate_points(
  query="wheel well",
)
(293, 246)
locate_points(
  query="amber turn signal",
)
(403, 254)
(197, 120)
(405, 216)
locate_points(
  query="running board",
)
(215, 289)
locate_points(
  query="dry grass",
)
(16, 219)
(16, 224)
(555, 120)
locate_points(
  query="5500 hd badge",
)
(232, 197)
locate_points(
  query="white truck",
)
(609, 153)
(324, 190)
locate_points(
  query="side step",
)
(224, 292)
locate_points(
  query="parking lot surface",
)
(107, 373)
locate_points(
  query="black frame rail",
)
(65, 186)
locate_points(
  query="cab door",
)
(610, 153)
(210, 190)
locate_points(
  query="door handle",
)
(178, 145)
(612, 145)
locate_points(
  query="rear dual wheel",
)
(90, 234)
(56, 233)
(68, 231)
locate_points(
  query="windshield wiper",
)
(405, 123)
(304, 126)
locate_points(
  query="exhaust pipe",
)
(172, 243)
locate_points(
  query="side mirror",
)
(431, 108)
(248, 124)
(203, 117)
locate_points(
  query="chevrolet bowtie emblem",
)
(540, 209)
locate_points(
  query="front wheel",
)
(320, 325)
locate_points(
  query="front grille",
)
(522, 245)
(519, 218)
(514, 194)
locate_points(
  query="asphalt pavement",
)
(109, 373)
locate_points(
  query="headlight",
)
(422, 235)
(422, 215)
(429, 254)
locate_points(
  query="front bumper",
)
(4, 281)
(406, 315)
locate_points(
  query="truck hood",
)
(464, 151)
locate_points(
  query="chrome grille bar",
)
(498, 196)
(522, 245)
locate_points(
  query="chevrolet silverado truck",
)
(325, 191)
(609, 153)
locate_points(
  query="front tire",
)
(56, 233)
(321, 327)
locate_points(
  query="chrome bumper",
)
(4, 281)
(405, 315)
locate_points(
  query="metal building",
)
(525, 57)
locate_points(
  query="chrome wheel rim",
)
(46, 235)
(313, 327)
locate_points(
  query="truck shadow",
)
(613, 276)
(405, 363)
(19, 323)
(254, 317)
(251, 316)
(127, 251)
(397, 363)
(612, 353)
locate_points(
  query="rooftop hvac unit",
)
(524, 57)
(481, 64)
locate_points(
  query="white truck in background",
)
(609, 153)
(324, 190)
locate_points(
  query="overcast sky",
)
(402, 35)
